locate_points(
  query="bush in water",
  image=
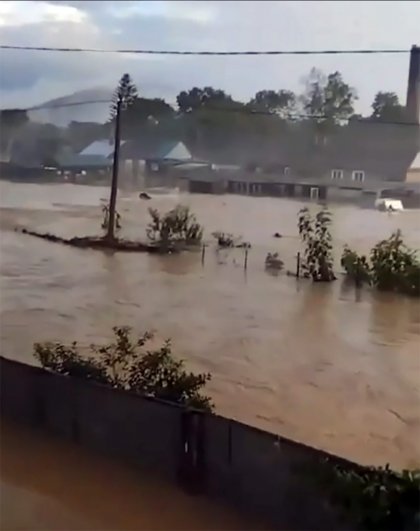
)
(357, 267)
(395, 266)
(315, 234)
(392, 267)
(178, 226)
(124, 364)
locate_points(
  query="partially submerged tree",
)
(315, 234)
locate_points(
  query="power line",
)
(60, 105)
(208, 53)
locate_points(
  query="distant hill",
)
(62, 111)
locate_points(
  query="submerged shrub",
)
(357, 267)
(395, 267)
(178, 225)
(316, 235)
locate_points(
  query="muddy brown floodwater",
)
(51, 485)
(323, 364)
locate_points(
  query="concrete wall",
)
(255, 471)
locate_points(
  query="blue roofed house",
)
(94, 162)
(148, 159)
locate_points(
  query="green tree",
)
(81, 134)
(315, 233)
(13, 118)
(197, 98)
(11, 121)
(328, 98)
(282, 102)
(126, 91)
(386, 107)
(144, 113)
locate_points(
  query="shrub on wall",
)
(125, 364)
(378, 498)
(368, 498)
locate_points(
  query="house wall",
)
(202, 187)
(258, 472)
(413, 175)
(158, 180)
(347, 177)
(344, 194)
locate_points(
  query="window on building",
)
(337, 175)
(358, 176)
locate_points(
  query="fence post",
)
(246, 259)
(203, 253)
(297, 265)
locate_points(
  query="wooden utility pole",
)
(115, 167)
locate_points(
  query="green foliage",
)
(226, 240)
(160, 375)
(357, 267)
(13, 119)
(329, 98)
(66, 360)
(197, 98)
(395, 267)
(392, 266)
(386, 107)
(282, 102)
(124, 364)
(315, 234)
(126, 92)
(273, 261)
(178, 226)
(374, 498)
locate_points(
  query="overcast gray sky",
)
(33, 77)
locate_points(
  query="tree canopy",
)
(328, 98)
(386, 107)
(126, 92)
(210, 121)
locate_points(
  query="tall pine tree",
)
(126, 91)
